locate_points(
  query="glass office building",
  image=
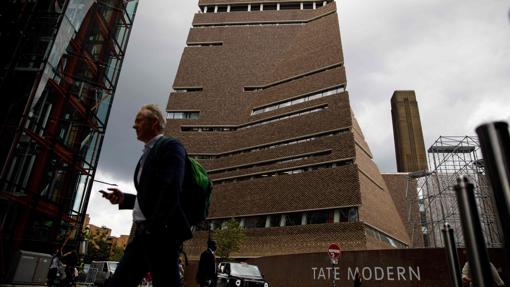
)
(60, 64)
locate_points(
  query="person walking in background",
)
(71, 260)
(357, 279)
(206, 274)
(161, 225)
(467, 279)
(56, 271)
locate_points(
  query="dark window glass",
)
(344, 215)
(210, 9)
(274, 220)
(269, 7)
(238, 8)
(307, 5)
(255, 222)
(290, 6)
(293, 219)
(318, 217)
(222, 8)
(255, 7)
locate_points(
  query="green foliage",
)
(98, 247)
(229, 238)
(116, 254)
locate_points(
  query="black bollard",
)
(495, 144)
(473, 236)
(453, 258)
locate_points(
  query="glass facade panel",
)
(79, 194)
(130, 9)
(79, 55)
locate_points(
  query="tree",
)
(229, 238)
(98, 247)
(117, 253)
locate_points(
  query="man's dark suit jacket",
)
(159, 190)
(206, 268)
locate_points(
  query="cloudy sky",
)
(455, 54)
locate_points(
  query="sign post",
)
(334, 253)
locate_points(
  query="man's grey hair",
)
(154, 112)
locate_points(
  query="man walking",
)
(161, 225)
(206, 275)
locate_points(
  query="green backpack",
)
(196, 192)
(196, 189)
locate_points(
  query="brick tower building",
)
(260, 99)
(409, 144)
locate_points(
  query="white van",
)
(103, 271)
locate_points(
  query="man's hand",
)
(115, 197)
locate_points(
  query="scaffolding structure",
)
(451, 157)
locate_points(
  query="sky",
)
(455, 54)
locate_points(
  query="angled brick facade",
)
(260, 99)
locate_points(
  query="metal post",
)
(473, 236)
(495, 144)
(453, 258)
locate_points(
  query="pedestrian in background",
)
(56, 271)
(71, 261)
(160, 223)
(467, 280)
(357, 279)
(206, 275)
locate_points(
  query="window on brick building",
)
(274, 220)
(308, 5)
(269, 7)
(254, 222)
(353, 214)
(293, 219)
(238, 8)
(344, 215)
(290, 6)
(320, 216)
(182, 115)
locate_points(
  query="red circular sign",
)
(334, 251)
